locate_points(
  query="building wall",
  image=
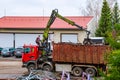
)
(56, 36)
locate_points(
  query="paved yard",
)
(10, 68)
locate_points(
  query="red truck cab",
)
(30, 55)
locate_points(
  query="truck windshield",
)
(26, 50)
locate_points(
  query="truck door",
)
(30, 54)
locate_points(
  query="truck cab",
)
(30, 55)
(33, 58)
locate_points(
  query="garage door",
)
(69, 38)
(6, 40)
(21, 39)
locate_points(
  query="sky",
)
(41, 7)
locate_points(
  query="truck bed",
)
(75, 53)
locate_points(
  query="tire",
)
(47, 67)
(77, 71)
(31, 67)
(90, 71)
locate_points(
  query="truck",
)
(75, 58)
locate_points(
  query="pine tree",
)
(105, 23)
(115, 21)
(115, 15)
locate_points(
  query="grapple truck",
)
(70, 57)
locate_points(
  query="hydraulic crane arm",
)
(66, 20)
(53, 16)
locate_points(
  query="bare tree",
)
(111, 3)
(93, 8)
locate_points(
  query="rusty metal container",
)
(75, 53)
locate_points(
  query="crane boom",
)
(53, 16)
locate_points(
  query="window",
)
(69, 38)
(27, 50)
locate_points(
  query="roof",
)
(41, 22)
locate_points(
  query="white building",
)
(19, 30)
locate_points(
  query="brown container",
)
(74, 53)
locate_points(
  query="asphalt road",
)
(10, 68)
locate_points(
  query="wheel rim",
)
(77, 71)
(90, 71)
(47, 67)
(31, 67)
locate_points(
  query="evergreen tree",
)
(115, 15)
(114, 66)
(115, 22)
(105, 23)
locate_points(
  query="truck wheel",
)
(91, 71)
(31, 67)
(47, 67)
(77, 71)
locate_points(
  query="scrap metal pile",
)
(45, 75)
(38, 75)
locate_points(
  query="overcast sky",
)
(40, 7)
